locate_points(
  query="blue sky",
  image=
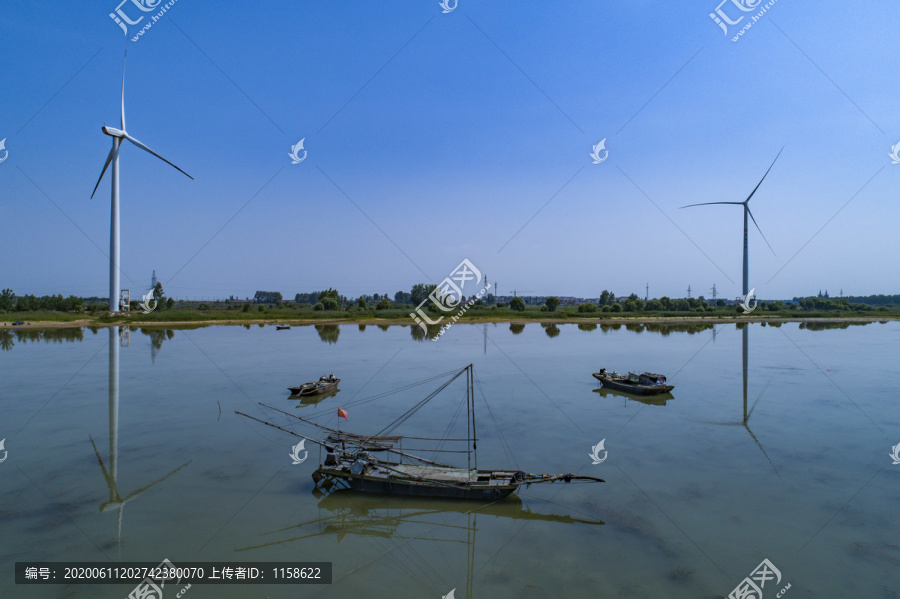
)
(435, 137)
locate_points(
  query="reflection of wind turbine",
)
(745, 204)
(116, 501)
(118, 135)
(745, 350)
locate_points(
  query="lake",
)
(773, 446)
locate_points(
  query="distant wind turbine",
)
(118, 135)
(747, 212)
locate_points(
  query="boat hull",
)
(382, 485)
(306, 390)
(416, 489)
(633, 388)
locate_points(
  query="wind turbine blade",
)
(758, 229)
(764, 176)
(113, 153)
(711, 203)
(123, 87)
(146, 149)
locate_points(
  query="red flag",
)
(342, 413)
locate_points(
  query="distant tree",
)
(246, 307)
(587, 307)
(332, 293)
(419, 292)
(160, 296)
(384, 304)
(362, 302)
(6, 299)
(552, 303)
(616, 307)
(261, 308)
(402, 297)
(319, 307)
(268, 297)
(517, 304)
(330, 303)
(654, 305)
(604, 298)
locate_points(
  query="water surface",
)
(700, 487)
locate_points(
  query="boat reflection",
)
(312, 400)
(116, 502)
(650, 400)
(344, 513)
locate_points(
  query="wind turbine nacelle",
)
(113, 132)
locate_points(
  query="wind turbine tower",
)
(118, 137)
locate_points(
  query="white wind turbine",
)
(746, 286)
(118, 135)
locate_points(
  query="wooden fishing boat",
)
(352, 461)
(282, 327)
(325, 384)
(647, 383)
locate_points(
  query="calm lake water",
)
(700, 488)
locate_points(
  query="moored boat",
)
(325, 384)
(647, 383)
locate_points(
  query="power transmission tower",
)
(689, 292)
(713, 292)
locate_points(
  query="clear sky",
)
(434, 137)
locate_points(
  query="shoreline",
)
(81, 323)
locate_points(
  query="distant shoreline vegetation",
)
(332, 305)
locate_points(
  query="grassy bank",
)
(402, 316)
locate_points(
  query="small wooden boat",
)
(647, 383)
(282, 327)
(325, 384)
